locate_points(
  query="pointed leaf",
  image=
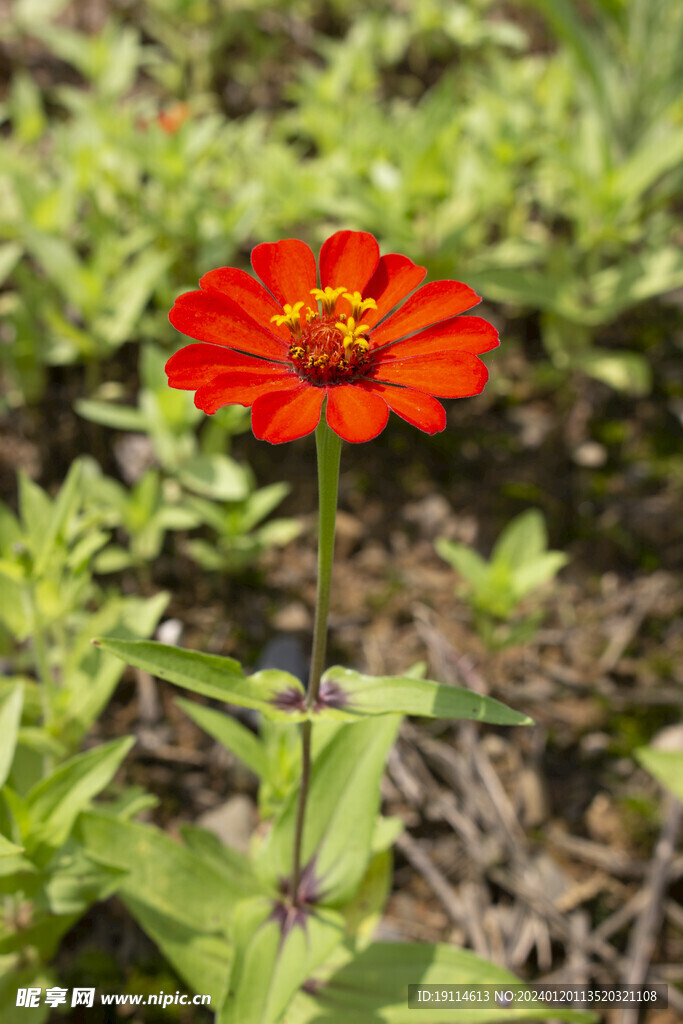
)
(469, 563)
(276, 694)
(346, 695)
(63, 507)
(54, 804)
(230, 733)
(342, 808)
(537, 572)
(522, 540)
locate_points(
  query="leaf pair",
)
(344, 695)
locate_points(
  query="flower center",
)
(328, 347)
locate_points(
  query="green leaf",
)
(215, 476)
(665, 765)
(202, 960)
(14, 606)
(12, 978)
(342, 808)
(35, 510)
(62, 266)
(11, 705)
(352, 695)
(64, 506)
(236, 867)
(363, 913)
(10, 254)
(54, 804)
(183, 896)
(623, 371)
(542, 569)
(262, 502)
(175, 881)
(118, 417)
(9, 849)
(213, 676)
(386, 832)
(90, 674)
(471, 566)
(521, 540)
(132, 290)
(272, 960)
(75, 881)
(372, 986)
(234, 736)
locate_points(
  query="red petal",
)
(458, 334)
(395, 277)
(445, 374)
(435, 301)
(417, 408)
(348, 258)
(354, 413)
(195, 365)
(239, 387)
(287, 268)
(207, 316)
(286, 415)
(248, 293)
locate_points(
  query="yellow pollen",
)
(359, 304)
(290, 317)
(328, 296)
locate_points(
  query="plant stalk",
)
(328, 446)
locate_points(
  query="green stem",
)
(329, 453)
(328, 446)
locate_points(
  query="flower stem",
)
(328, 446)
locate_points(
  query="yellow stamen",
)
(290, 317)
(353, 334)
(328, 296)
(359, 304)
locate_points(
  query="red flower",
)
(284, 350)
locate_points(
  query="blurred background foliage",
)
(534, 149)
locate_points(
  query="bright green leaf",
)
(464, 560)
(221, 678)
(521, 540)
(352, 694)
(665, 765)
(56, 801)
(342, 808)
(173, 880)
